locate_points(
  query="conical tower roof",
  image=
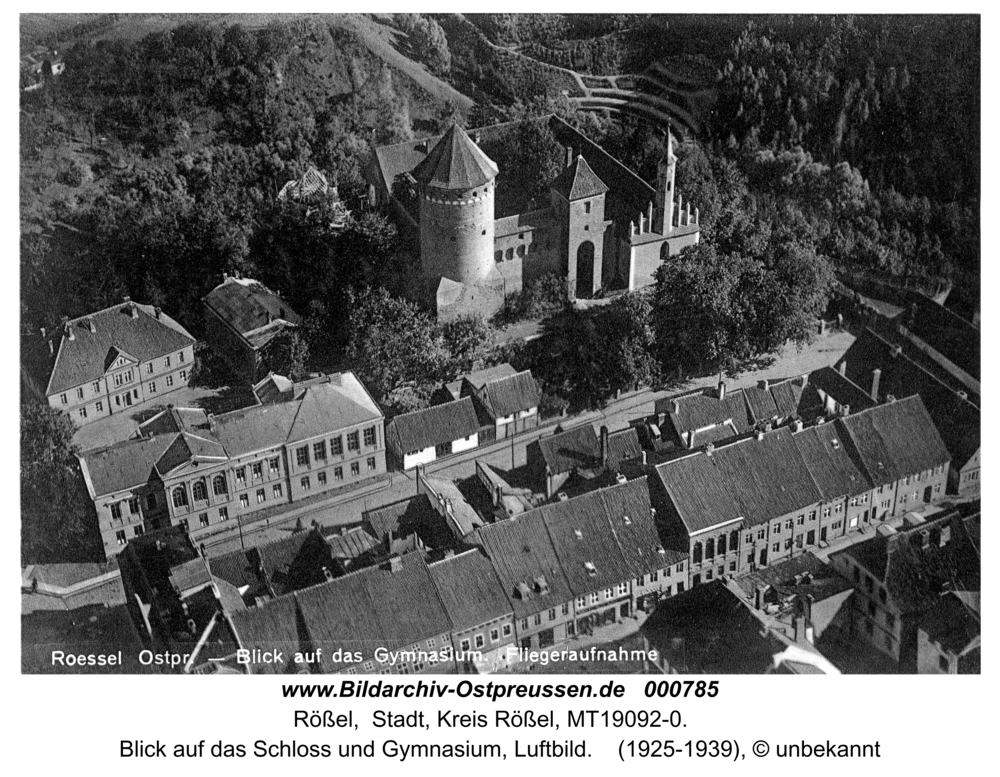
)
(455, 163)
(578, 181)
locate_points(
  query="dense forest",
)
(152, 165)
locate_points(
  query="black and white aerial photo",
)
(444, 343)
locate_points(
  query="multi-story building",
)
(109, 361)
(204, 470)
(949, 637)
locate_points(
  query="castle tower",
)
(665, 170)
(457, 183)
(578, 200)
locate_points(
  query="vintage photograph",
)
(454, 343)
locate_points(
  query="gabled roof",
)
(521, 552)
(946, 332)
(85, 358)
(248, 305)
(832, 467)
(576, 448)
(455, 162)
(414, 516)
(894, 440)
(702, 408)
(623, 445)
(311, 183)
(126, 465)
(762, 404)
(804, 574)
(585, 544)
(830, 382)
(273, 626)
(754, 479)
(480, 378)
(186, 448)
(173, 420)
(952, 625)
(510, 394)
(578, 181)
(469, 589)
(628, 509)
(435, 425)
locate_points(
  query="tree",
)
(469, 340)
(287, 354)
(58, 523)
(630, 341)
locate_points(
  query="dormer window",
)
(591, 569)
(578, 534)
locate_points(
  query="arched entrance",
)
(585, 270)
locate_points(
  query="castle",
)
(604, 228)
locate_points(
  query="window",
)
(798, 542)
(595, 597)
(272, 465)
(261, 496)
(826, 512)
(800, 520)
(494, 635)
(183, 374)
(835, 525)
(732, 568)
(480, 640)
(788, 544)
(586, 207)
(139, 530)
(276, 490)
(244, 500)
(100, 407)
(337, 446)
(180, 357)
(302, 456)
(622, 589)
(355, 468)
(465, 645)
(507, 629)
(371, 463)
(219, 487)
(581, 601)
(524, 623)
(83, 412)
(79, 393)
(257, 469)
(776, 529)
(166, 361)
(760, 534)
(319, 450)
(609, 593)
(116, 511)
(338, 473)
(203, 520)
(120, 537)
(152, 387)
(812, 515)
(119, 379)
(552, 614)
(170, 380)
(654, 576)
(198, 491)
(352, 441)
(97, 387)
(776, 547)
(63, 399)
(133, 505)
(538, 619)
(151, 501)
(565, 608)
(708, 574)
(370, 436)
(180, 497)
(241, 475)
(321, 478)
(305, 484)
(223, 513)
(943, 664)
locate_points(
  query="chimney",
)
(896, 351)
(52, 348)
(68, 329)
(43, 332)
(798, 425)
(709, 449)
(604, 446)
(475, 138)
(133, 310)
(760, 435)
(722, 391)
(843, 367)
(764, 384)
(644, 461)
(801, 632)
(631, 229)
(395, 564)
(157, 311)
(91, 325)
(327, 574)
(679, 209)
(569, 156)
(203, 550)
(676, 407)
(876, 377)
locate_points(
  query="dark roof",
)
(241, 568)
(832, 467)
(247, 305)
(894, 440)
(455, 162)
(125, 465)
(944, 331)
(480, 378)
(628, 509)
(507, 395)
(576, 448)
(414, 516)
(755, 480)
(830, 382)
(578, 181)
(296, 561)
(435, 425)
(804, 574)
(85, 358)
(352, 544)
(702, 408)
(273, 626)
(951, 624)
(521, 552)
(708, 630)
(623, 445)
(762, 404)
(585, 544)
(469, 589)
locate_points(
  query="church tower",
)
(664, 208)
(457, 184)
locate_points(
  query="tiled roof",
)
(830, 382)
(576, 448)
(460, 512)
(311, 183)
(408, 517)
(480, 378)
(628, 510)
(578, 181)
(186, 447)
(469, 589)
(175, 419)
(272, 626)
(762, 404)
(455, 162)
(755, 480)
(85, 358)
(296, 561)
(526, 563)
(352, 544)
(585, 544)
(125, 465)
(832, 467)
(804, 574)
(894, 440)
(947, 333)
(247, 305)
(510, 394)
(951, 624)
(702, 408)
(241, 568)
(623, 445)
(435, 425)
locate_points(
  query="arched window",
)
(734, 540)
(696, 553)
(180, 497)
(510, 254)
(722, 544)
(499, 257)
(709, 548)
(520, 250)
(219, 485)
(198, 491)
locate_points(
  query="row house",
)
(242, 317)
(901, 573)
(571, 455)
(200, 471)
(109, 361)
(433, 433)
(505, 400)
(762, 499)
